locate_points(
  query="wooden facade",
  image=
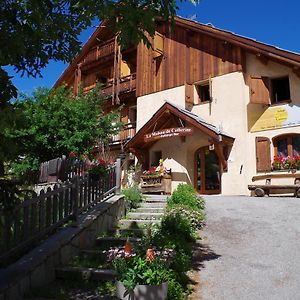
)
(187, 57)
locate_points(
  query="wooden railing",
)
(34, 219)
(127, 133)
(127, 84)
(100, 51)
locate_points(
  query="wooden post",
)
(118, 176)
(74, 195)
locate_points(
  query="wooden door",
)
(207, 172)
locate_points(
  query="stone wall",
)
(37, 267)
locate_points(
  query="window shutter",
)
(158, 44)
(189, 93)
(124, 115)
(263, 154)
(259, 90)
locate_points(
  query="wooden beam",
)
(219, 151)
(262, 58)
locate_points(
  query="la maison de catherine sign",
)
(166, 133)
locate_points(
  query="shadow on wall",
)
(180, 176)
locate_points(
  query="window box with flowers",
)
(286, 163)
(156, 179)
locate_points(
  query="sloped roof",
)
(190, 118)
(272, 52)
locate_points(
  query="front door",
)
(207, 172)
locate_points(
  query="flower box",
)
(143, 292)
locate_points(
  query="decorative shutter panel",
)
(263, 154)
(259, 90)
(189, 93)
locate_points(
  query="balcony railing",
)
(127, 84)
(126, 134)
(99, 52)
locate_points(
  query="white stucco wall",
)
(149, 104)
(229, 110)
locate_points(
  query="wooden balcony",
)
(100, 52)
(127, 84)
(126, 134)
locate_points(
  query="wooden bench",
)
(261, 190)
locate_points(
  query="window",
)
(203, 92)
(280, 89)
(265, 90)
(156, 156)
(287, 145)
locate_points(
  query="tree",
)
(34, 32)
(58, 123)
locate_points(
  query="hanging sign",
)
(166, 133)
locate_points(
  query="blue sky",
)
(270, 21)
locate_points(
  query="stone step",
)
(85, 273)
(155, 200)
(124, 223)
(153, 205)
(144, 216)
(115, 241)
(149, 210)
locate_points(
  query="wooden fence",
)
(34, 219)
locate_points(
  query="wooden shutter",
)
(158, 44)
(189, 93)
(259, 90)
(124, 115)
(263, 154)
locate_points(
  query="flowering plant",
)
(286, 163)
(99, 167)
(159, 170)
(149, 268)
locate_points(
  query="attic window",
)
(204, 91)
(280, 89)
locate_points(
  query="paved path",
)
(251, 249)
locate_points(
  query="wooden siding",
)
(187, 57)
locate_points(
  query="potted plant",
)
(141, 276)
(98, 169)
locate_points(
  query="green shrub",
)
(176, 224)
(133, 196)
(175, 290)
(196, 217)
(186, 195)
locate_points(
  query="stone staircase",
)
(132, 227)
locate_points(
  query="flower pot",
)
(143, 292)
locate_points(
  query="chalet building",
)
(216, 106)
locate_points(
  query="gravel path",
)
(250, 249)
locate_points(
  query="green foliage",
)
(133, 196)
(137, 270)
(196, 217)
(185, 195)
(176, 224)
(58, 123)
(34, 32)
(175, 290)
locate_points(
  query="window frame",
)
(203, 83)
(271, 90)
(289, 137)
